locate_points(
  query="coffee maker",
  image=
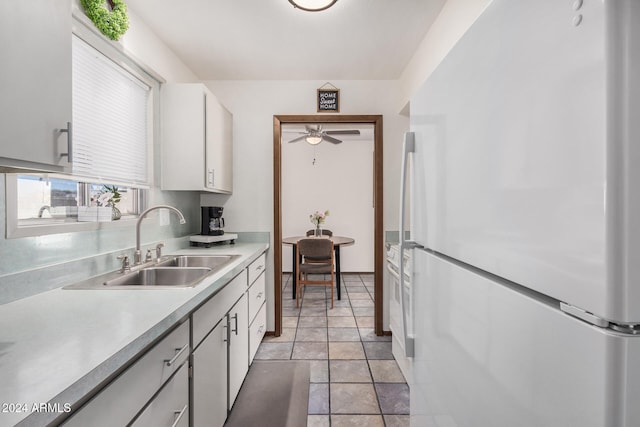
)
(212, 221)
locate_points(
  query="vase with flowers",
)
(110, 196)
(317, 218)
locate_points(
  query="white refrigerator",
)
(522, 174)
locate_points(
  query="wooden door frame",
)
(379, 253)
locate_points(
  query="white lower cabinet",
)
(210, 378)
(219, 343)
(129, 393)
(222, 354)
(220, 358)
(170, 407)
(238, 347)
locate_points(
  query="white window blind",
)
(110, 118)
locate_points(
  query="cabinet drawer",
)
(207, 316)
(134, 387)
(256, 296)
(256, 331)
(257, 267)
(171, 406)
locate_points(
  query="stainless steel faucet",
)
(138, 254)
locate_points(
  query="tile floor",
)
(354, 379)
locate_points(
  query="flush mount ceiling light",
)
(313, 139)
(312, 5)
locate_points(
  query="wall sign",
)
(328, 99)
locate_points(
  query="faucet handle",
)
(148, 256)
(126, 266)
(159, 247)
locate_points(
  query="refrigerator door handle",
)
(407, 147)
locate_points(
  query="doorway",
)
(378, 231)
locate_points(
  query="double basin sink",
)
(176, 271)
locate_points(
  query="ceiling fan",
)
(316, 135)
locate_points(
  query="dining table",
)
(338, 241)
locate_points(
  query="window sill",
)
(51, 227)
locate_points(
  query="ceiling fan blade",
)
(343, 132)
(300, 138)
(331, 139)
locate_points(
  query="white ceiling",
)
(270, 40)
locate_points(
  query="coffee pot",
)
(212, 221)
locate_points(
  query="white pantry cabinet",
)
(35, 83)
(197, 140)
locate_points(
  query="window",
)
(110, 118)
(46, 199)
(113, 124)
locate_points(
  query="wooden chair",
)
(316, 249)
(325, 232)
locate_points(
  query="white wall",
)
(334, 177)
(147, 49)
(253, 105)
(453, 21)
(151, 51)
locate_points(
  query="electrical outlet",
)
(163, 217)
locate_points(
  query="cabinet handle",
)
(69, 132)
(225, 333)
(179, 352)
(260, 267)
(179, 414)
(235, 317)
(259, 296)
(260, 330)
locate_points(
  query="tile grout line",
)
(311, 304)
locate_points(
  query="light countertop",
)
(58, 346)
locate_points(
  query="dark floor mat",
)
(275, 393)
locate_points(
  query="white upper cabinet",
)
(197, 140)
(35, 83)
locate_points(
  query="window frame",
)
(15, 230)
(115, 51)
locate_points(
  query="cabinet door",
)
(219, 146)
(35, 83)
(210, 379)
(183, 136)
(238, 347)
(196, 131)
(170, 407)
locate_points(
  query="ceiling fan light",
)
(313, 139)
(312, 5)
